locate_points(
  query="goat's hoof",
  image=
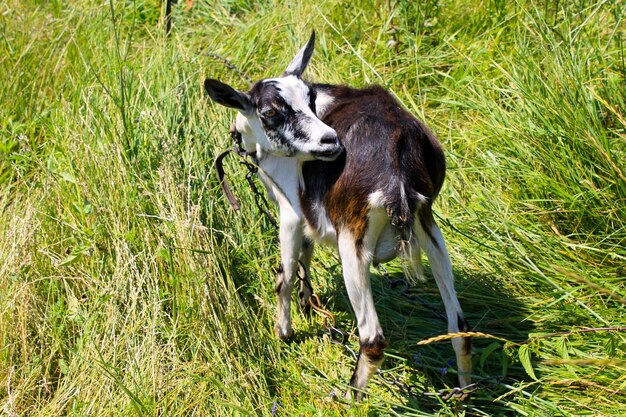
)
(283, 334)
(354, 394)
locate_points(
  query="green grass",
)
(129, 287)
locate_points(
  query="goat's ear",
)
(227, 96)
(300, 61)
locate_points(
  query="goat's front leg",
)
(356, 263)
(290, 236)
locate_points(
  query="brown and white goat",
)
(351, 168)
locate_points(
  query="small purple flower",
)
(274, 408)
(332, 393)
(444, 370)
(451, 362)
(416, 358)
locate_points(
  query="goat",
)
(351, 168)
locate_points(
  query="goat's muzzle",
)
(330, 153)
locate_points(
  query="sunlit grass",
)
(129, 287)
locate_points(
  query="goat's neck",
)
(283, 178)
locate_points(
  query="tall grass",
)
(128, 287)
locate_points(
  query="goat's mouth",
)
(328, 155)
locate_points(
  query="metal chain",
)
(413, 390)
(337, 334)
(259, 197)
(341, 337)
(406, 294)
(444, 394)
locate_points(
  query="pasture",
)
(128, 286)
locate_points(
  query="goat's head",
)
(277, 115)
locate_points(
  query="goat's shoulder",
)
(373, 107)
(342, 97)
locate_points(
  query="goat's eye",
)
(270, 113)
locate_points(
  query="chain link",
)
(259, 197)
(406, 294)
(444, 394)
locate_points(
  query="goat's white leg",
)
(355, 261)
(290, 236)
(306, 288)
(431, 240)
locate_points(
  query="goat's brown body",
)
(386, 150)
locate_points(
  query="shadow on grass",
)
(407, 320)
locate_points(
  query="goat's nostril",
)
(329, 140)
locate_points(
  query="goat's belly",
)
(387, 245)
(324, 233)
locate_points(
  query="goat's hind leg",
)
(306, 288)
(431, 240)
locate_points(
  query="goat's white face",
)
(277, 116)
